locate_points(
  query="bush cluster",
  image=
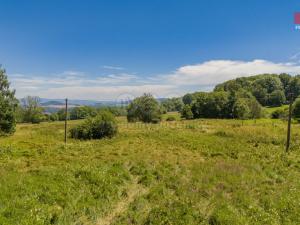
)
(100, 126)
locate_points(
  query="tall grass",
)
(194, 172)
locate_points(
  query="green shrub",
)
(171, 118)
(54, 117)
(61, 114)
(103, 125)
(296, 109)
(276, 98)
(82, 112)
(247, 108)
(187, 112)
(36, 119)
(155, 120)
(280, 114)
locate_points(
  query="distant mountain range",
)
(53, 105)
(76, 102)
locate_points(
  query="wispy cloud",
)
(115, 79)
(188, 78)
(107, 92)
(113, 67)
(295, 57)
(79, 85)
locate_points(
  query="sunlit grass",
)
(195, 172)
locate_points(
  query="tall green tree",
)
(8, 105)
(268, 89)
(294, 87)
(270, 82)
(261, 94)
(276, 98)
(172, 104)
(145, 109)
(187, 112)
(285, 80)
(211, 105)
(32, 111)
(241, 109)
(296, 109)
(187, 99)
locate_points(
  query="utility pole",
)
(66, 120)
(289, 123)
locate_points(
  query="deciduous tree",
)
(8, 104)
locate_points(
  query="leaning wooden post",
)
(289, 123)
(66, 119)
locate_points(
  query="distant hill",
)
(48, 103)
(78, 102)
(54, 105)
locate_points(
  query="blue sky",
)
(107, 49)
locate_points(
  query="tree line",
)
(30, 111)
(241, 98)
(244, 97)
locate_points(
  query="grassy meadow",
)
(181, 172)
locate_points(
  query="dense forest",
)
(268, 89)
(241, 98)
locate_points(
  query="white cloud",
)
(212, 72)
(203, 76)
(72, 73)
(109, 87)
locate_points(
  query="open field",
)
(183, 172)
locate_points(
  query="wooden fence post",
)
(289, 123)
(66, 120)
